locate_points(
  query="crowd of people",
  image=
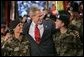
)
(44, 34)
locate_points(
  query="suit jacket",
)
(46, 46)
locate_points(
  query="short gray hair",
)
(33, 10)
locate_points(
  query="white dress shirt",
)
(32, 29)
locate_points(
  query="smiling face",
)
(35, 14)
(37, 17)
(59, 24)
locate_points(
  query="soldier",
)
(15, 44)
(67, 42)
(77, 23)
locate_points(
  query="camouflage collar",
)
(19, 39)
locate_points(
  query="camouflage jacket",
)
(15, 47)
(75, 24)
(68, 44)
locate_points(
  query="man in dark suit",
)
(39, 33)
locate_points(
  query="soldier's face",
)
(19, 28)
(59, 24)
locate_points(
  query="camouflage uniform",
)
(2, 40)
(75, 24)
(15, 47)
(68, 44)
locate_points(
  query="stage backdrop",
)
(24, 6)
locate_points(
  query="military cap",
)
(63, 16)
(13, 24)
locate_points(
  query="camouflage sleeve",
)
(73, 39)
(73, 44)
(25, 47)
(73, 27)
(5, 49)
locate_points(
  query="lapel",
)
(28, 35)
(45, 30)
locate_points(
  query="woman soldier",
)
(15, 44)
(67, 42)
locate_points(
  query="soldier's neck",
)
(17, 35)
(63, 30)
